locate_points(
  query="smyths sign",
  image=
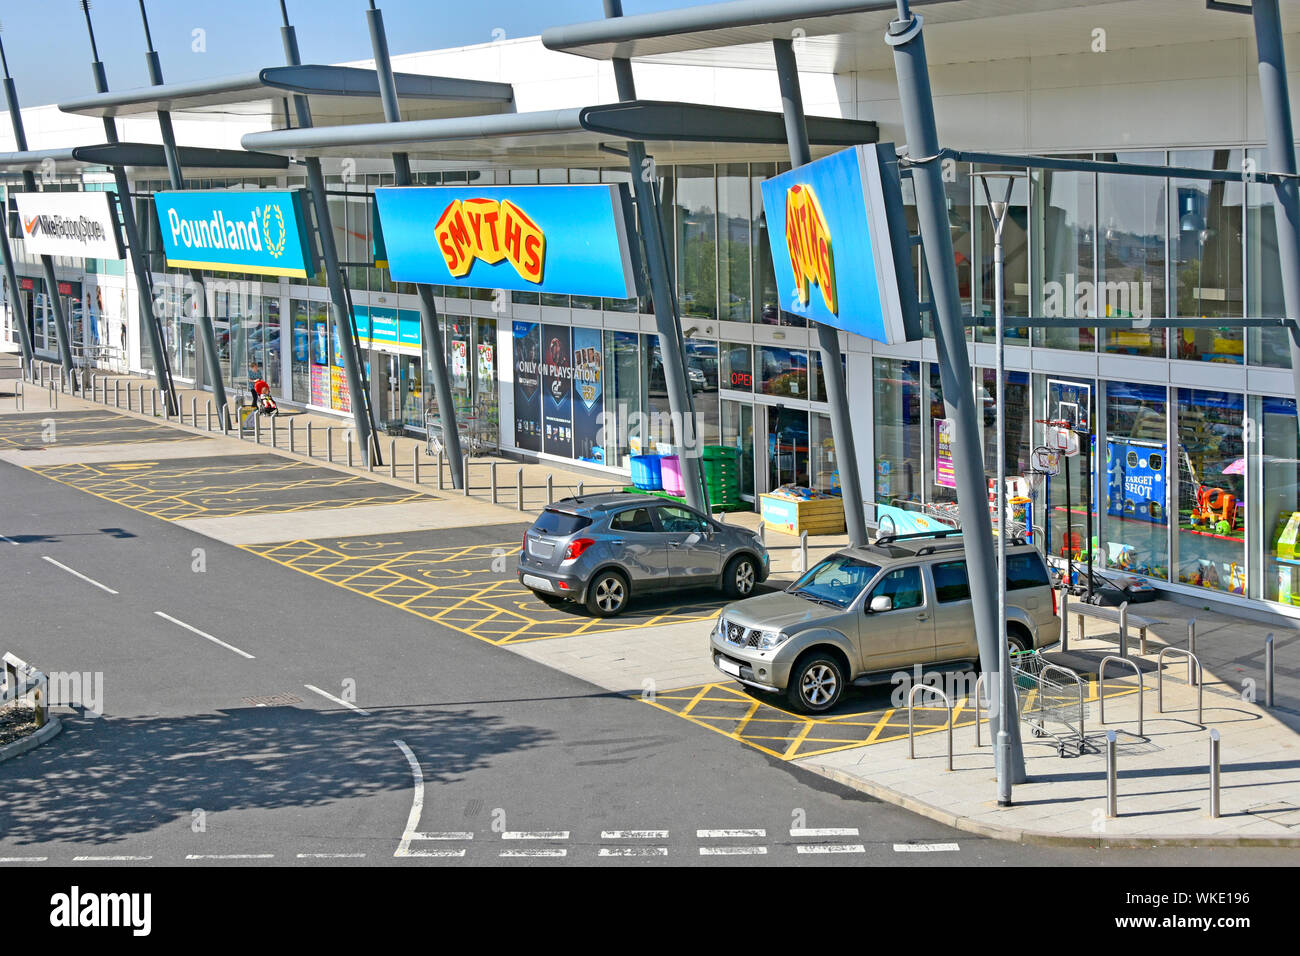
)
(82, 225)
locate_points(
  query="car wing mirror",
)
(880, 603)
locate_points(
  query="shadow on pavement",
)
(108, 779)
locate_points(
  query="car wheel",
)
(816, 684)
(607, 594)
(741, 576)
(1016, 642)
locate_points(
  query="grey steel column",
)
(139, 265)
(15, 298)
(428, 308)
(210, 357)
(828, 337)
(1281, 158)
(47, 263)
(954, 363)
(663, 298)
(325, 230)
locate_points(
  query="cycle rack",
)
(1101, 687)
(911, 740)
(1160, 681)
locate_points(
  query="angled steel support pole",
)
(664, 300)
(437, 355)
(329, 254)
(1281, 158)
(211, 359)
(954, 363)
(139, 264)
(61, 332)
(15, 298)
(828, 338)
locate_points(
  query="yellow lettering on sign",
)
(491, 231)
(809, 242)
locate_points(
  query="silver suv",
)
(864, 614)
(598, 550)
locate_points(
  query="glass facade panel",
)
(1137, 477)
(697, 241)
(733, 242)
(737, 367)
(1211, 490)
(1132, 261)
(1066, 245)
(897, 409)
(1015, 250)
(766, 297)
(1206, 229)
(783, 372)
(1277, 463)
(1268, 346)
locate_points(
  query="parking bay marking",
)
(926, 848)
(831, 848)
(338, 700)
(78, 574)
(722, 834)
(205, 634)
(733, 851)
(798, 832)
(534, 853)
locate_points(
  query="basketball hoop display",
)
(1046, 461)
(1060, 437)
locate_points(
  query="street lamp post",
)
(1006, 702)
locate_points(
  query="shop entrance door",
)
(787, 446)
(738, 432)
(387, 372)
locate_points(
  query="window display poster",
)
(320, 353)
(1135, 474)
(588, 395)
(339, 390)
(460, 364)
(486, 367)
(320, 386)
(557, 390)
(945, 473)
(528, 385)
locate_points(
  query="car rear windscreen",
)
(1026, 570)
(559, 524)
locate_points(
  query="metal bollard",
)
(762, 531)
(207, 416)
(1192, 678)
(117, 393)
(310, 454)
(257, 427)
(274, 442)
(329, 443)
(153, 402)
(494, 482)
(415, 463)
(441, 483)
(1065, 619)
(1268, 671)
(465, 475)
(1123, 630)
(1214, 774)
(292, 430)
(392, 458)
(194, 411)
(1112, 777)
(349, 451)
(550, 488)
(803, 551)
(519, 487)
(580, 486)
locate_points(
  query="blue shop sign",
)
(262, 232)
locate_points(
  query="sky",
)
(49, 54)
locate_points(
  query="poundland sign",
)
(82, 225)
(256, 231)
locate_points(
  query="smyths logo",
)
(491, 231)
(809, 242)
(76, 909)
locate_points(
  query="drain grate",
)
(272, 700)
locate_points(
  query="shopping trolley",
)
(1049, 693)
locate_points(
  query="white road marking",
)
(23, 859)
(535, 835)
(338, 700)
(78, 574)
(229, 856)
(547, 852)
(831, 848)
(450, 835)
(633, 851)
(110, 859)
(331, 856)
(720, 834)
(203, 634)
(926, 847)
(634, 834)
(440, 853)
(823, 832)
(733, 850)
(417, 806)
